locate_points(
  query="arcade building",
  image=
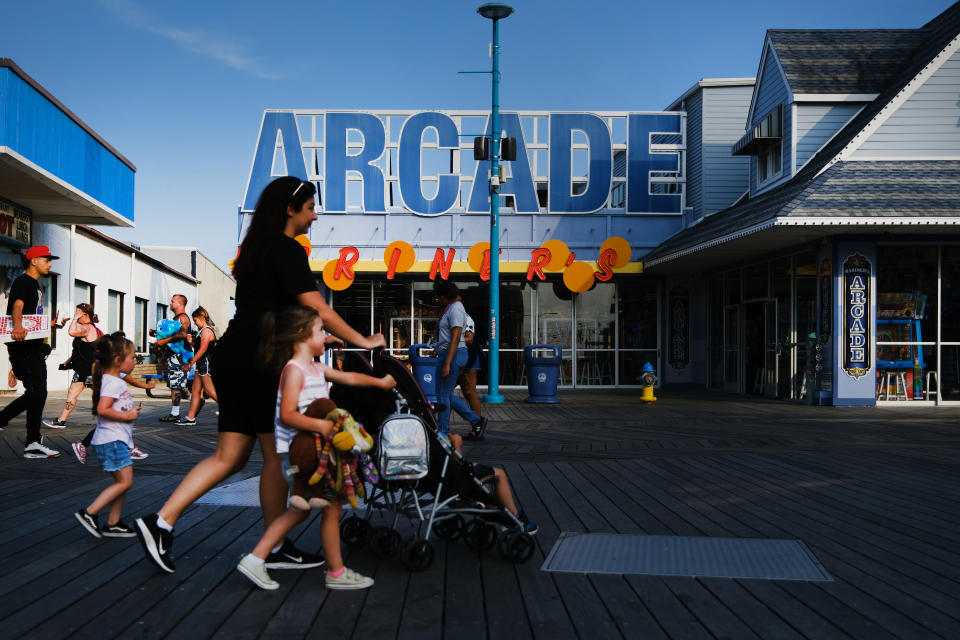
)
(793, 235)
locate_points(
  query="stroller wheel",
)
(354, 531)
(516, 547)
(417, 554)
(480, 535)
(449, 528)
(384, 542)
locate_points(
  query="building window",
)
(49, 284)
(769, 135)
(140, 324)
(161, 313)
(82, 292)
(114, 311)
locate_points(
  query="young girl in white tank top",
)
(298, 338)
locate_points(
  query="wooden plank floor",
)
(874, 493)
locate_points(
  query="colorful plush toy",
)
(312, 455)
(167, 328)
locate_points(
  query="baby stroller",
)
(422, 477)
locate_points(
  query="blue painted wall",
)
(725, 176)
(926, 126)
(38, 130)
(817, 123)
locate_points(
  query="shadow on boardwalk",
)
(874, 493)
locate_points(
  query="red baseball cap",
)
(40, 251)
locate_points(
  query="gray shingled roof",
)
(843, 60)
(854, 190)
(904, 189)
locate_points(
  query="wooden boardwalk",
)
(874, 493)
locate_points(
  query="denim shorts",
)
(113, 455)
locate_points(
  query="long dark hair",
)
(270, 219)
(281, 333)
(110, 347)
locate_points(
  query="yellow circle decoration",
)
(578, 277)
(305, 243)
(407, 255)
(621, 246)
(475, 256)
(335, 285)
(559, 252)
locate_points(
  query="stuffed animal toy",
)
(167, 328)
(313, 455)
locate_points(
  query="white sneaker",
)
(257, 573)
(349, 580)
(80, 451)
(38, 450)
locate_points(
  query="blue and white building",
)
(793, 234)
(57, 178)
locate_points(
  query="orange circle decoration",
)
(579, 277)
(621, 246)
(334, 285)
(305, 243)
(475, 256)
(407, 255)
(559, 252)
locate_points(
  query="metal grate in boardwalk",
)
(691, 556)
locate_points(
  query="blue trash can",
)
(543, 372)
(424, 370)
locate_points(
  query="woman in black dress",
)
(272, 273)
(83, 329)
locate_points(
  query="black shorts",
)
(79, 377)
(203, 366)
(246, 394)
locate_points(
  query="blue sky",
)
(179, 87)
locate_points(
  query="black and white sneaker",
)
(156, 542)
(39, 450)
(186, 421)
(289, 557)
(119, 530)
(89, 522)
(55, 424)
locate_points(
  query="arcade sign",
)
(856, 291)
(380, 162)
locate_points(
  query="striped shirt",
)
(314, 386)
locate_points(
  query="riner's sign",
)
(379, 162)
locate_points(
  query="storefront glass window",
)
(949, 371)
(353, 305)
(638, 328)
(555, 323)
(596, 324)
(907, 316)
(805, 287)
(391, 315)
(426, 313)
(716, 333)
(755, 282)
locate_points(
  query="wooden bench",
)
(148, 372)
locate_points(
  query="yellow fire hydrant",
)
(647, 379)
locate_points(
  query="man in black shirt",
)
(28, 357)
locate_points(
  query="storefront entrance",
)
(762, 323)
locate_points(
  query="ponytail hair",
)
(200, 312)
(109, 348)
(280, 334)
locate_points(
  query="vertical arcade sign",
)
(856, 315)
(679, 305)
(577, 154)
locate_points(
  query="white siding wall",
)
(926, 126)
(106, 268)
(817, 123)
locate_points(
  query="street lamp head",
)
(495, 10)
